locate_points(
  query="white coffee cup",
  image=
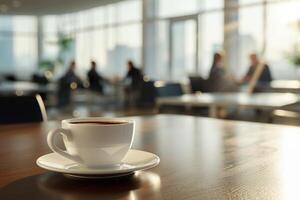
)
(94, 142)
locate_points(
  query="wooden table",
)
(201, 158)
(238, 100)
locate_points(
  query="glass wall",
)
(210, 39)
(251, 33)
(112, 36)
(18, 44)
(183, 48)
(114, 33)
(260, 25)
(156, 49)
(109, 35)
(282, 35)
(50, 38)
(172, 40)
(167, 8)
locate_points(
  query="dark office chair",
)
(22, 109)
(199, 84)
(147, 94)
(164, 89)
(40, 79)
(10, 77)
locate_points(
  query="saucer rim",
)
(147, 165)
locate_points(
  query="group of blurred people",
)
(223, 81)
(219, 79)
(70, 80)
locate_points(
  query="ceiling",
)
(45, 7)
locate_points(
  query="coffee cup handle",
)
(51, 143)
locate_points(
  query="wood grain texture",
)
(201, 158)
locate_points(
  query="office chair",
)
(147, 94)
(164, 89)
(199, 84)
(22, 109)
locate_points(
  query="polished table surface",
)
(201, 158)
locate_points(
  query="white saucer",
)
(135, 160)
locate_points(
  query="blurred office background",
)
(168, 40)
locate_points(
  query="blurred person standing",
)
(134, 75)
(95, 79)
(134, 79)
(68, 81)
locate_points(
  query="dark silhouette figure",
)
(134, 75)
(71, 77)
(67, 82)
(218, 79)
(217, 71)
(265, 77)
(135, 80)
(95, 79)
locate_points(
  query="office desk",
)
(285, 86)
(23, 87)
(217, 100)
(201, 158)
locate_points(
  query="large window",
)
(156, 49)
(172, 32)
(179, 38)
(109, 35)
(210, 40)
(124, 44)
(266, 27)
(167, 8)
(110, 48)
(18, 44)
(50, 38)
(250, 35)
(282, 29)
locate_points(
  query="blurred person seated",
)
(218, 79)
(134, 79)
(70, 77)
(68, 81)
(265, 77)
(95, 79)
